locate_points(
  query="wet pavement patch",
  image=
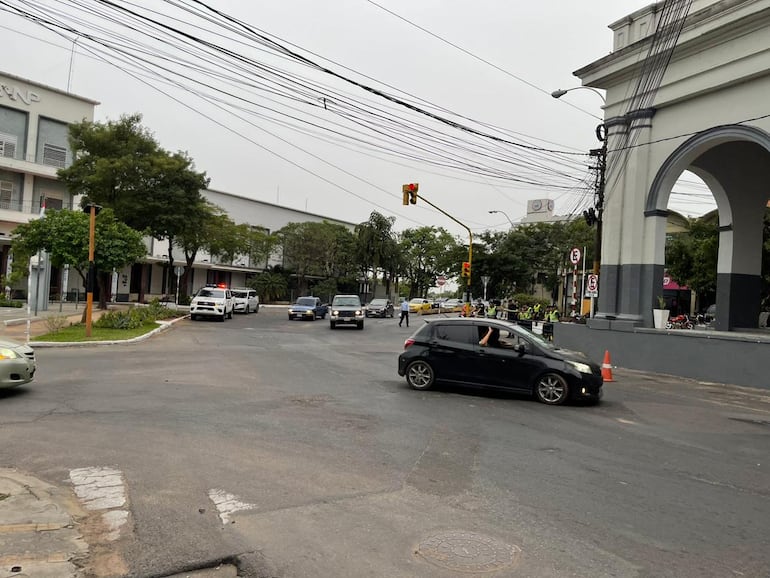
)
(467, 552)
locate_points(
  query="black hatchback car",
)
(497, 354)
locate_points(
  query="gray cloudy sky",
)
(274, 144)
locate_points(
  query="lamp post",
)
(561, 92)
(595, 216)
(504, 214)
(92, 211)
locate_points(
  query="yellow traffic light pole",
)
(410, 194)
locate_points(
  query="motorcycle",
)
(679, 322)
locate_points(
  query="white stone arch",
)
(739, 263)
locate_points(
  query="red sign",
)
(441, 280)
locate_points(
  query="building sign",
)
(15, 93)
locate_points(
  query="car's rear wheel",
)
(551, 389)
(419, 375)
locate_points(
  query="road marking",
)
(102, 488)
(627, 421)
(228, 504)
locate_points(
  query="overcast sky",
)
(276, 146)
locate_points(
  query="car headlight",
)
(581, 367)
(6, 353)
(335, 312)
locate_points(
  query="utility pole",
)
(601, 170)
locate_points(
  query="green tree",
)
(270, 285)
(691, 256)
(316, 249)
(376, 248)
(64, 235)
(427, 252)
(121, 166)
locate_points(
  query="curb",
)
(164, 326)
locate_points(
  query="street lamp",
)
(601, 167)
(502, 213)
(561, 92)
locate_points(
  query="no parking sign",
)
(592, 285)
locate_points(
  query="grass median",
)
(75, 333)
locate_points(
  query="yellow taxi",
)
(419, 305)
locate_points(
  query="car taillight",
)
(408, 342)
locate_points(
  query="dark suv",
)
(496, 354)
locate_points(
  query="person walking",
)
(404, 313)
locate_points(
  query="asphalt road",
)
(292, 450)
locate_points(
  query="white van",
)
(245, 301)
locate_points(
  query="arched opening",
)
(734, 163)
(692, 251)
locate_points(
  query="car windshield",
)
(239, 293)
(417, 300)
(379, 302)
(518, 330)
(215, 293)
(306, 301)
(346, 301)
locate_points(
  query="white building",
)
(34, 121)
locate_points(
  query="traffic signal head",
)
(466, 270)
(410, 193)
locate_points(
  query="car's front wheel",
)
(551, 389)
(419, 375)
(332, 325)
(360, 325)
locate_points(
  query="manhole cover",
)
(467, 552)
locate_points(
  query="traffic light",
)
(466, 270)
(410, 193)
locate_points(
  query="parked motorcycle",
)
(679, 322)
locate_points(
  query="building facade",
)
(34, 121)
(33, 146)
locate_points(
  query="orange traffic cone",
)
(607, 367)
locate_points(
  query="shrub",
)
(12, 303)
(129, 319)
(55, 323)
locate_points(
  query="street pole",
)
(91, 268)
(412, 190)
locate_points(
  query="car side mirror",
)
(520, 348)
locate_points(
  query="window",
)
(54, 156)
(6, 194)
(8, 145)
(455, 333)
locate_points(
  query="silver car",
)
(17, 364)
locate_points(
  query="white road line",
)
(227, 504)
(102, 488)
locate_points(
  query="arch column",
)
(627, 268)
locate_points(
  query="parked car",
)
(380, 308)
(17, 364)
(451, 305)
(308, 308)
(346, 310)
(212, 301)
(419, 305)
(245, 301)
(452, 350)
